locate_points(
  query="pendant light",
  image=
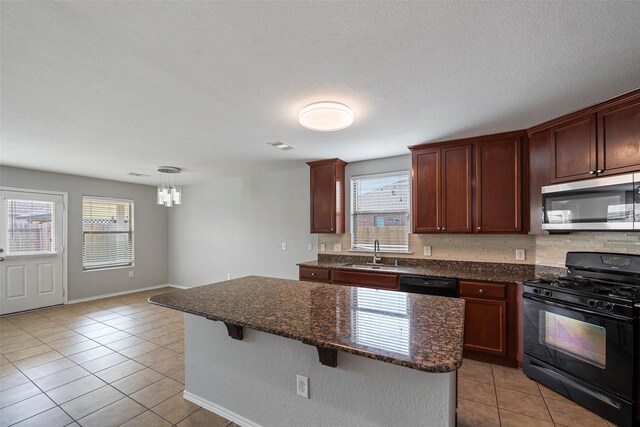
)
(169, 193)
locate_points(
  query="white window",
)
(380, 210)
(107, 233)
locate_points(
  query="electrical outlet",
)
(520, 255)
(310, 247)
(337, 247)
(228, 276)
(323, 247)
(427, 250)
(131, 273)
(284, 246)
(302, 386)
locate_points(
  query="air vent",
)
(136, 174)
(280, 145)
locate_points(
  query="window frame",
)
(131, 234)
(353, 178)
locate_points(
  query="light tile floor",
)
(491, 395)
(119, 361)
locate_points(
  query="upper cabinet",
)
(327, 196)
(573, 146)
(619, 138)
(499, 185)
(442, 189)
(601, 140)
(470, 185)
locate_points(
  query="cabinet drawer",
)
(314, 274)
(373, 280)
(479, 289)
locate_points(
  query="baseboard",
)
(178, 286)
(115, 294)
(216, 409)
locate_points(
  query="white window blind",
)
(380, 210)
(380, 319)
(107, 232)
(29, 227)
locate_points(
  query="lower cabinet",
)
(314, 274)
(366, 280)
(490, 324)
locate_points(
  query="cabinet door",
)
(485, 326)
(456, 189)
(619, 138)
(498, 186)
(573, 150)
(426, 191)
(539, 170)
(323, 198)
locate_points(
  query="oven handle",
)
(616, 317)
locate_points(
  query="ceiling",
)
(105, 88)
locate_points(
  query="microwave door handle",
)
(578, 309)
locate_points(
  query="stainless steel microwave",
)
(610, 203)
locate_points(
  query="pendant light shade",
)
(169, 193)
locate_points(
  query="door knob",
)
(1, 258)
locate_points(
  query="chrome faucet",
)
(376, 252)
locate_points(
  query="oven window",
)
(575, 338)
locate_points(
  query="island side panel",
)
(253, 382)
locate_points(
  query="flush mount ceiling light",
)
(169, 193)
(280, 145)
(326, 116)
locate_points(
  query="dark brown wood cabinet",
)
(365, 280)
(472, 185)
(499, 185)
(311, 274)
(327, 196)
(539, 176)
(619, 137)
(573, 148)
(490, 324)
(442, 189)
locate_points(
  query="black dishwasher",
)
(441, 286)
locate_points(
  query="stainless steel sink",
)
(371, 267)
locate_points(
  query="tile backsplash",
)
(547, 250)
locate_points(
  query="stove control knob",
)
(608, 306)
(592, 303)
(546, 293)
(536, 291)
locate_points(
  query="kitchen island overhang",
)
(276, 323)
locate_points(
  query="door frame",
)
(65, 234)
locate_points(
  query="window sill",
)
(116, 267)
(380, 252)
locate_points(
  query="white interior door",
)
(31, 241)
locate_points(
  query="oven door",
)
(594, 347)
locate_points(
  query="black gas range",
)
(581, 333)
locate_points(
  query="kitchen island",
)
(372, 357)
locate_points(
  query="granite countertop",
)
(465, 270)
(421, 332)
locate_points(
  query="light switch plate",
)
(310, 247)
(284, 246)
(520, 255)
(131, 273)
(337, 247)
(427, 250)
(323, 247)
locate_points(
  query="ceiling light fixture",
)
(169, 193)
(326, 116)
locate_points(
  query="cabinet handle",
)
(313, 274)
(481, 291)
(442, 228)
(438, 228)
(478, 228)
(592, 172)
(600, 171)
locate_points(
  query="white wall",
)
(150, 221)
(237, 226)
